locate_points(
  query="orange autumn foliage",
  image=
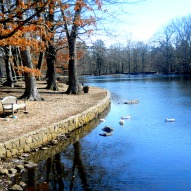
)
(36, 33)
(31, 71)
(32, 39)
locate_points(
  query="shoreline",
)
(94, 102)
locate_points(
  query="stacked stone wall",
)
(42, 136)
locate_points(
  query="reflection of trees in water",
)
(48, 176)
(33, 184)
(51, 174)
(37, 179)
(56, 183)
(69, 169)
(78, 164)
(75, 135)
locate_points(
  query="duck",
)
(126, 117)
(121, 121)
(102, 120)
(169, 120)
(107, 129)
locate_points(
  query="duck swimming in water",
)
(102, 120)
(170, 120)
(121, 121)
(107, 129)
(126, 117)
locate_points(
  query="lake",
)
(144, 154)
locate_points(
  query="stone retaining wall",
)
(37, 138)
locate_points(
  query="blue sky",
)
(146, 18)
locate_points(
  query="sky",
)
(142, 20)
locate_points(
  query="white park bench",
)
(9, 103)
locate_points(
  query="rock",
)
(2, 150)
(25, 155)
(30, 165)
(20, 167)
(12, 171)
(4, 171)
(7, 182)
(16, 187)
(107, 129)
(105, 134)
(35, 150)
(54, 142)
(44, 148)
(1, 155)
(22, 184)
(61, 137)
(22, 158)
(14, 160)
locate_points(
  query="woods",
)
(38, 30)
(168, 51)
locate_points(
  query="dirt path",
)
(56, 106)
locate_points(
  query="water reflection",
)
(51, 174)
(78, 165)
(145, 154)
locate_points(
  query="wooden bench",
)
(9, 103)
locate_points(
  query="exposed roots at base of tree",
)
(9, 84)
(71, 92)
(31, 97)
(52, 88)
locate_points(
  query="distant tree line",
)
(169, 51)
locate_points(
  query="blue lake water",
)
(144, 154)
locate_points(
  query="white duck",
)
(102, 120)
(170, 120)
(126, 117)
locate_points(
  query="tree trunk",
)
(73, 86)
(51, 53)
(10, 81)
(51, 71)
(40, 63)
(16, 61)
(40, 60)
(7, 50)
(13, 65)
(31, 91)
